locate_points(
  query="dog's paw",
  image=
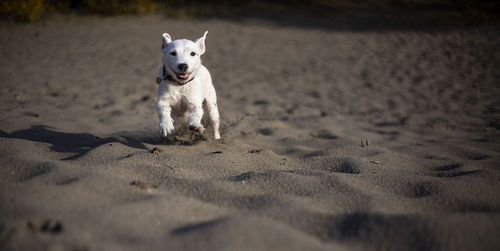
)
(166, 130)
(197, 128)
(216, 135)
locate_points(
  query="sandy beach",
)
(333, 138)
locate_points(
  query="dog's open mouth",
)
(182, 76)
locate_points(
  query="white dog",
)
(184, 85)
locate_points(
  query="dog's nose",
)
(182, 67)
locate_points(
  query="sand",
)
(333, 139)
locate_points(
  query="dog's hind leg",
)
(213, 112)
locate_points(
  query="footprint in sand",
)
(419, 190)
(266, 131)
(452, 170)
(27, 173)
(334, 164)
(67, 181)
(324, 134)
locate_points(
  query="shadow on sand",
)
(77, 143)
(81, 143)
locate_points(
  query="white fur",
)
(189, 97)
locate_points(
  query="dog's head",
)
(182, 57)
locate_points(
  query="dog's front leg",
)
(194, 118)
(164, 113)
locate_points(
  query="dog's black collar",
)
(170, 78)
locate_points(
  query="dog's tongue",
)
(183, 76)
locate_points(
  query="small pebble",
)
(51, 227)
(156, 150)
(255, 151)
(139, 184)
(47, 226)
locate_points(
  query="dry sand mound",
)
(332, 139)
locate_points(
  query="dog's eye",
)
(173, 53)
(193, 54)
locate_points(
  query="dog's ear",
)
(165, 39)
(200, 42)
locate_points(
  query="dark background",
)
(341, 14)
